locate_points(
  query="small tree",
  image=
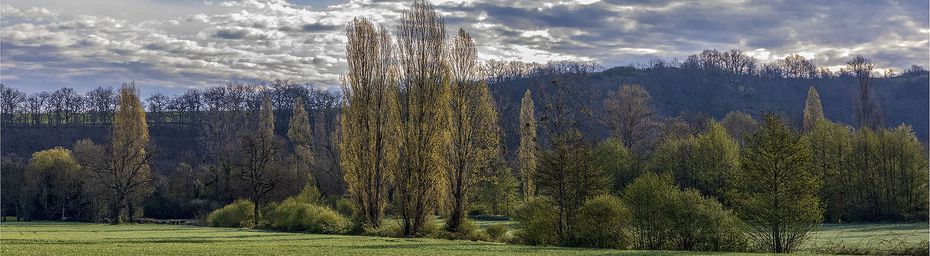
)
(776, 191)
(813, 111)
(527, 151)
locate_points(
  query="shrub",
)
(603, 222)
(294, 215)
(497, 232)
(468, 230)
(236, 214)
(537, 222)
(345, 207)
(666, 218)
(704, 225)
(388, 228)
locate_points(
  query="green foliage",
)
(776, 191)
(526, 154)
(497, 232)
(345, 207)
(236, 214)
(652, 200)
(831, 146)
(293, 214)
(616, 161)
(496, 192)
(813, 110)
(665, 217)
(603, 222)
(704, 162)
(739, 125)
(537, 220)
(53, 178)
(714, 157)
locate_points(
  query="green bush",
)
(236, 214)
(294, 215)
(468, 230)
(704, 225)
(345, 207)
(603, 222)
(497, 232)
(666, 218)
(537, 221)
(388, 228)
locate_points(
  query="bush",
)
(497, 232)
(294, 215)
(706, 226)
(345, 207)
(388, 228)
(666, 218)
(468, 230)
(236, 214)
(603, 222)
(537, 222)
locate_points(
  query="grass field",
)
(55, 238)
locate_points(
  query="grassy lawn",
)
(55, 238)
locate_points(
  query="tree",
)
(10, 101)
(631, 118)
(301, 136)
(714, 158)
(368, 149)
(54, 176)
(867, 112)
(739, 125)
(616, 161)
(813, 111)
(258, 165)
(474, 133)
(424, 115)
(527, 151)
(831, 147)
(776, 191)
(127, 174)
(158, 104)
(796, 66)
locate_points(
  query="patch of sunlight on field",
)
(860, 237)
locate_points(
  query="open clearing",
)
(57, 238)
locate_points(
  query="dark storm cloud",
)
(207, 42)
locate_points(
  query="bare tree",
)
(867, 112)
(631, 118)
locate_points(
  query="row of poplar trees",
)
(417, 121)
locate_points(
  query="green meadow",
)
(61, 238)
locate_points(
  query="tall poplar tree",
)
(527, 151)
(813, 111)
(259, 157)
(368, 132)
(424, 115)
(475, 133)
(128, 174)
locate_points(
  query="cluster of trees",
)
(92, 182)
(792, 66)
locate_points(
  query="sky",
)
(172, 45)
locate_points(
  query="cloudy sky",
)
(172, 45)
